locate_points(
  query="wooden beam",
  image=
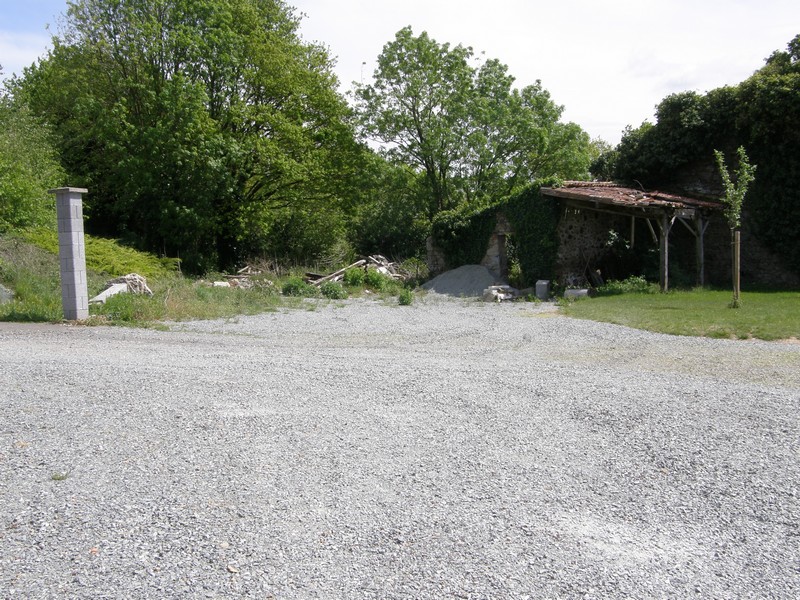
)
(663, 250)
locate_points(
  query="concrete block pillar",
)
(72, 252)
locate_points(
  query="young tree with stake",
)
(734, 197)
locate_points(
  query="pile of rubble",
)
(133, 283)
(243, 278)
(376, 261)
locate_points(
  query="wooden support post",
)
(700, 249)
(633, 232)
(663, 256)
(652, 231)
(663, 250)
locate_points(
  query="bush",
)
(377, 280)
(354, 277)
(406, 297)
(333, 290)
(107, 256)
(631, 285)
(295, 286)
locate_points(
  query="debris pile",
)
(243, 278)
(132, 283)
(498, 293)
(376, 261)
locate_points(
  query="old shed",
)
(661, 212)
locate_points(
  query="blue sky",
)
(609, 62)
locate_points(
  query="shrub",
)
(631, 285)
(406, 297)
(295, 286)
(333, 290)
(377, 280)
(354, 277)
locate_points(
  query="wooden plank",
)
(332, 276)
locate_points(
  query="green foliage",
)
(193, 122)
(295, 286)
(333, 291)
(130, 309)
(632, 285)
(463, 234)
(416, 269)
(762, 114)
(406, 297)
(377, 281)
(354, 277)
(534, 219)
(735, 191)
(107, 256)
(473, 136)
(28, 168)
(391, 214)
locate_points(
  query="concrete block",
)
(113, 290)
(543, 289)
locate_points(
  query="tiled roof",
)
(612, 194)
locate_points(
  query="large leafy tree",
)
(196, 124)
(28, 167)
(467, 129)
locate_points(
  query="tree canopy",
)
(29, 166)
(199, 126)
(467, 129)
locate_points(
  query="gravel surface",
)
(450, 449)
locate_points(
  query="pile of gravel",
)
(447, 449)
(465, 281)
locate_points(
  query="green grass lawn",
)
(763, 315)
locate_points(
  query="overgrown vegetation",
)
(632, 285)
(764, 315)
(462, 235)
(32, 273)
(761, 114)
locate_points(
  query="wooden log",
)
(330, 277)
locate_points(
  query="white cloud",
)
(20, 50)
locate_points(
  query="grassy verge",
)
(763, 315)
(29, 267)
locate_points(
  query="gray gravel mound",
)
(448, 449)
(465, 281)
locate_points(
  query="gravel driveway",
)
(449, 449)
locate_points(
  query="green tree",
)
(28, 168)
(735, 192)
(473, 135)
(197, 124)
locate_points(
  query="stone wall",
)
(582, 240)
(759, 266)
